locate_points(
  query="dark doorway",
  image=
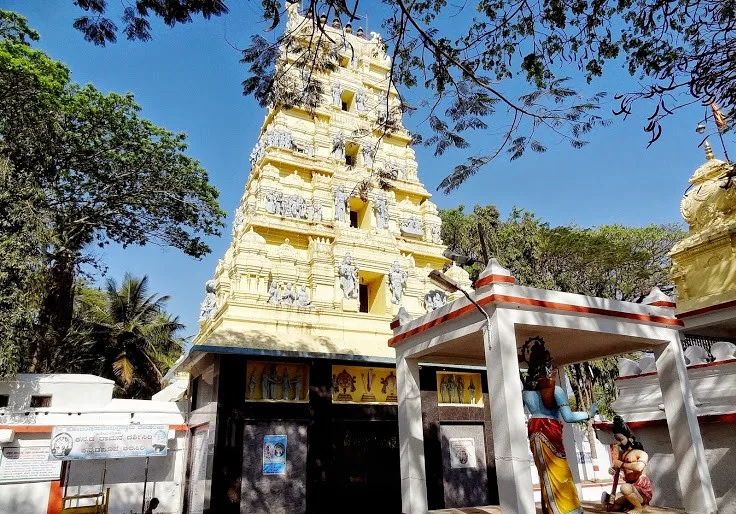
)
(365, 466)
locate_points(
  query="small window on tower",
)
(351, 153)
(363, 297)
(346, 101)
(354, 219)
(4, 400)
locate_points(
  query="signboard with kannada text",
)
(108, 442)
(27, 464)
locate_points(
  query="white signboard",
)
(462, 453)
(27, 464)
(108, 442)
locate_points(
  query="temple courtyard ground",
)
(590, 507)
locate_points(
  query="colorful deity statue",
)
(630, 462)
(547, 403)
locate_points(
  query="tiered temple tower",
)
(293, 385)
(313, 266)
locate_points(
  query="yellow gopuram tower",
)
(317, 264)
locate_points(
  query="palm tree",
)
(139, 340)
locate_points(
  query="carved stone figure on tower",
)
(289, 294)
(209, 304)
(303, 297)
(238, 220)
(337, 94)
(436, 234)
(397, 278)
(318, 211)
(338, 146)
(367, 152)
(274, 293)
(381, 208)
(360, 101)
(341, 203)
(348, 274)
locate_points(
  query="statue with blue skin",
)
(548, 405)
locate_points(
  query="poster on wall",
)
(274, 454)
(462, 453)
(108, 442)
(27, 464)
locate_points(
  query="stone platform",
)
(589, 507)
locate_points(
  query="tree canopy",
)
(80, 168)
(525, 66)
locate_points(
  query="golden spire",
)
(708, 150)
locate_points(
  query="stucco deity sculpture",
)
(337, 94)
(547, 403)
(274, 293)
(289, 294)
(278, 203)
(460, 389)
(271, 202)
(348, 273)
(631, 461)
(341, 204)
(452, 388)
(297, 385)
(397, 279)
(238, 220)
(471, 390)
(382, 107)
(381, 209)
(209, 304)
(360, 101)
(268, 382)
(445, 390)
(436, 234)
(285, 385)
(252, 385)
(318, 211)
(338, 146)
(412, 226)
(303, 297)
(367, 152)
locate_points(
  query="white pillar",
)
(568, 438)
(510, 443)
(411, 438)
(682, 423)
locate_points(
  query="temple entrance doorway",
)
(365, 466)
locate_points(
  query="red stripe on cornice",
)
(494, 278)
(705, 418)
(710, 308)
(501, 298)
(28, 429)
(662, 303)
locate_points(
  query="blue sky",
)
(188, 79)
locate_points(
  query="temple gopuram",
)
(293, 387)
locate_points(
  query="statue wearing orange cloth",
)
(547, 403)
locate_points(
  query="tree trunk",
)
(57, 309)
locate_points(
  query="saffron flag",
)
(718, 116)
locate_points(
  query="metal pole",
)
(487, 334)
(145, 483)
